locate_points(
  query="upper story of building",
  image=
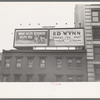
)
(79, 15)
(88, 16)
(49, 39)
(87, 11)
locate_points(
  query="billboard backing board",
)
(66, 37)
(30, 38)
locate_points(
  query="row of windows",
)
(96, 15)
(30, 62)
(29, 78)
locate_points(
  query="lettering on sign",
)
(66, 37)
(31, 38)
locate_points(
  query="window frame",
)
(27, 76)
(61, 76)
(79, 76)
(96, 66)
(96, 53)
(18, 62)
(19, 75)
(57, 64)
(7, 77)
(78, 64)
(96, 33)
(70, 64)
(7, 62)
(42, 76)
(28, 62)
(72, 78)
(43, 64)
(98, 16)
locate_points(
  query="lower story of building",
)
(43, 78)
(44, 66)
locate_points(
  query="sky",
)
(15, 15)
(12, 14)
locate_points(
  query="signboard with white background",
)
(66, 37)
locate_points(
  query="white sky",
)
(12, 14)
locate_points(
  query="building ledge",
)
(44, 51)
(96, 24)
(96, 42)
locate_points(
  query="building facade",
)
(44, 66)
(61, 60)
(88, 16)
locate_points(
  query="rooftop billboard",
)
(30, 38)
(49, 37)
(66, 37)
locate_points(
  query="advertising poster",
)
(31, 38)
(66, 37)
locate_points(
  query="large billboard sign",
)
(66, 37)
(30, 38)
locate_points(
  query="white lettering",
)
(23, 37)
(21, 33)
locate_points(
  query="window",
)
(69, 62)
(97, 57)
(41, 78)
(42, 62)
(18, 62)
(97, 53)
(78, 62)
(30, 62)
(78, 78)
(5, 78)
(70, 78)
(17, 78)
(95, 15)
(7, 62)
(97, 77)
(59, 62)
(58, 78)
(29, 78)
(97, 72)
(96, 33)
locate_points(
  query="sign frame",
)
(69, 44)
(30, 30)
